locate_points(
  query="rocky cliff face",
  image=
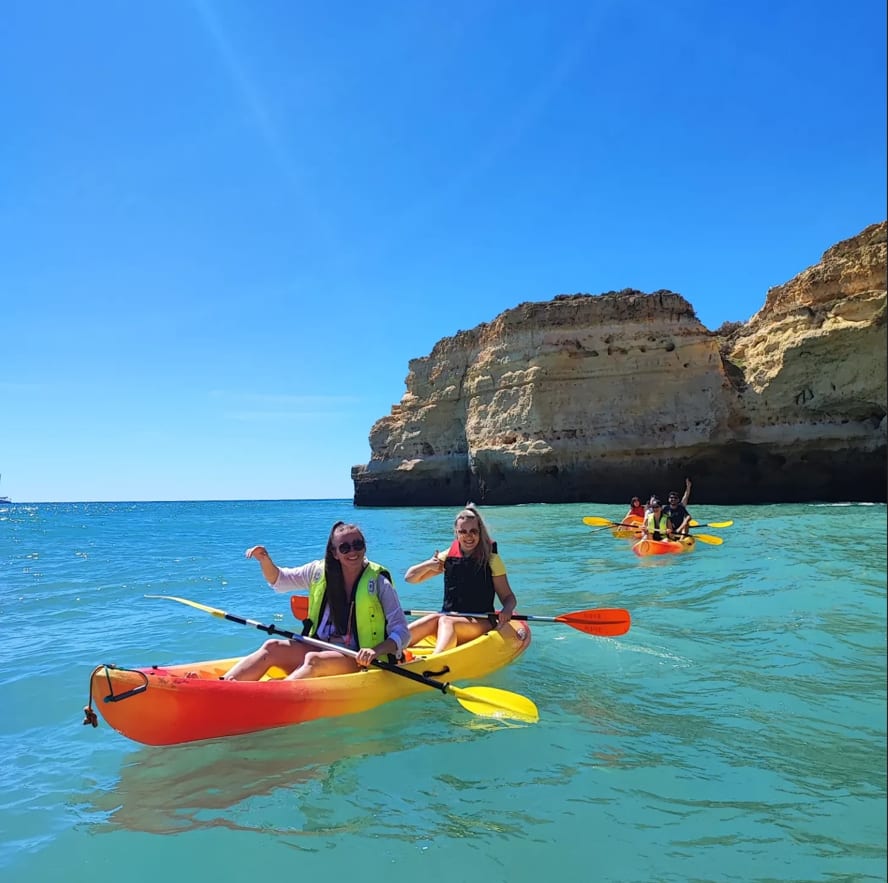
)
(597, 397)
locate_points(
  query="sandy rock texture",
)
(597, 397)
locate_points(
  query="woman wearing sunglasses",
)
(352, 602)
(473, 574)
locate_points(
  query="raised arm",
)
(687, 494)
(425, 569)
(270, 570)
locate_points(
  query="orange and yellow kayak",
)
(168, 705)
(644, 548)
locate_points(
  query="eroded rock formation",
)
(597, 397)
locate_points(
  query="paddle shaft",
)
(605, 524)
(603, 622)
(616, 524)
(703, 537)
(523, 617)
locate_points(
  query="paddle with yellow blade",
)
(604, 622)
(594, 521)
(484, 701)
(604, 522)
(694, 523)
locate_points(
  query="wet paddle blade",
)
(606, 622)
(708, 538)
(491, 702)
(596, 521)
(695, 523)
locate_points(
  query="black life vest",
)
(468, 584)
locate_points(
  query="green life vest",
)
(369, 615)
(655, 528)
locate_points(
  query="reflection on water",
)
(293, 770)
(180, 788)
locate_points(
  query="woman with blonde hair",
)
(474, 574)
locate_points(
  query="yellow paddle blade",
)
(194, 604)
(491, 702)
(708, 538)
(595, 521)
(695, 523)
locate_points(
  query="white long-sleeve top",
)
(291, 578)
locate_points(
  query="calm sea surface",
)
(736, 732)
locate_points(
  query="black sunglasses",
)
(357, 545)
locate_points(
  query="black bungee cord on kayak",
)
(89, 716)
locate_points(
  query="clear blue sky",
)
(226, 227)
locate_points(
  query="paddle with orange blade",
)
(604, 622)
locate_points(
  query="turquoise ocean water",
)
(736, 732)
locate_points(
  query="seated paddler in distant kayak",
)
(352, 603)
(657, 525)
(636, 511)
(474, 574)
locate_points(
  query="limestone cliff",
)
(597, 397)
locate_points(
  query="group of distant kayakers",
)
(659, 522)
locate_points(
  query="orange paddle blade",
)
(605, 622)
(299, 606)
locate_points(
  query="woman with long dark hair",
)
(352, 603)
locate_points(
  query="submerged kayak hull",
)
(643, 548)
(168, 705)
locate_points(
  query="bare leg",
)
(453, 630)
(287, 655)
(446, 635)
(317, 664)
(424, 627)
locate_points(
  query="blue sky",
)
(226, 227)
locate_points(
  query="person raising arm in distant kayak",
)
(678, 515)
(473, 574)
(352, 603)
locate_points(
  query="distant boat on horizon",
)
(4, 499)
